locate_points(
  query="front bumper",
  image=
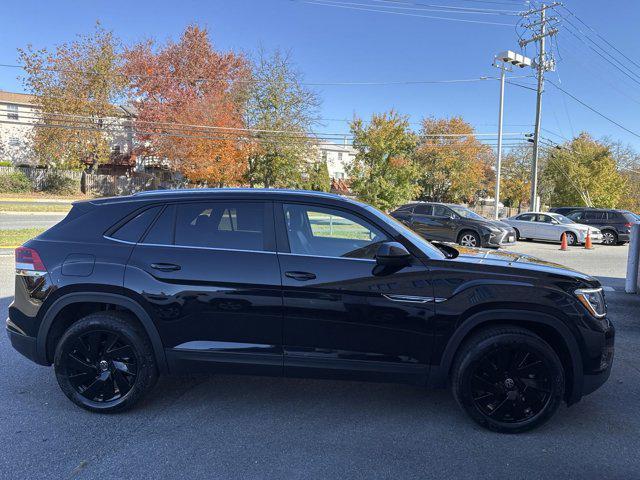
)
(601, 364)
(504, 238)
(624, 237)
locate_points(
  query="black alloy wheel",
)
(511, 385)
(508, 379)
(104, 363)
(100, 365)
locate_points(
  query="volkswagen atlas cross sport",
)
(292, 283)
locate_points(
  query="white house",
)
(337, 157)
(19, 113)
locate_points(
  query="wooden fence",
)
(96, 184)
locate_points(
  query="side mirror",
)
(393, 254)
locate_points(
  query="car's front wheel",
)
(508, 379)
(469, 239)
(105, 363)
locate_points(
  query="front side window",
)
(441, 211)
(578, 215)
(228, 225)
(327, 232)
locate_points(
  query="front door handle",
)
(301, 276)
(165, 267)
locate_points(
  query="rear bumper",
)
(24, 344)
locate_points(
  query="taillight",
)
(29, 263)
(628, 225)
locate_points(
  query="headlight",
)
(495, 229)
(593, 300)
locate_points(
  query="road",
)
(237, 427)
(17, 220)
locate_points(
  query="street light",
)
(505, 61)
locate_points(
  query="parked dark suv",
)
(306, 284)
(615, 225)
(454, 223)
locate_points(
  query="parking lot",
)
(250, 427)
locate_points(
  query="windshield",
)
(561, 218)
(430, 250)
(465, 212)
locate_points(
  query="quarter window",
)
(330, 233)
(135, 227)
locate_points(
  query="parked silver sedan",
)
(551, 226)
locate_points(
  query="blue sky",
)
(334, 44)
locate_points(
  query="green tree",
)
(75, 85)
(583, 172)
(383, 172)
(281, 110)
(316, 176)
(454, 164)
(515, 181)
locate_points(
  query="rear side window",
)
(596, 215)
(423, 209)
(136, 226)
(237, 225)
(527, 217)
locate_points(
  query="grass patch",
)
(13, 238)
(35, 207)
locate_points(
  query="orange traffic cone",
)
(587, 243)
(563, 241)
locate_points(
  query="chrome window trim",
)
(193, 247)
(327, 256)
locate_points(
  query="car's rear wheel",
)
(469, 239)
(609, 237)
(104, 363)
(508, 379)
(518, 234)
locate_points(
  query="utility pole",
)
(542, 65)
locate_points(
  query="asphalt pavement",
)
(240, 427)
(17, 220)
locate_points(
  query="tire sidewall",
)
(146, 370)
(474, 234)
(462, 385)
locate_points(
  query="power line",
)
(451, 7)
(316, 84)
(348, 7)
(417, 7)
(601, 37)
(92, 120)
(594, 110)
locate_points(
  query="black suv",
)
(615, 225)
(454, 223)
(289, 283)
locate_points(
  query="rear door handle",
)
(165, 267)
(301, 276)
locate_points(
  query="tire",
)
(518, 235)
(469, 238)
(572, 239)
(609, 237)
(105, 363)
(489, 383)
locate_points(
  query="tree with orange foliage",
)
(179, 85)
(454, 165)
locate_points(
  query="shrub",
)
(59, 184)
(16, 182)
(6, 163)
